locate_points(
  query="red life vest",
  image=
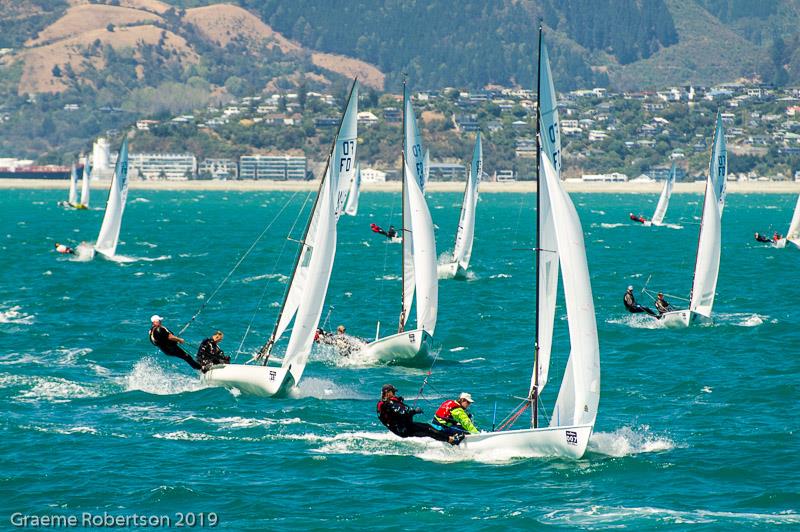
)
(444, 411)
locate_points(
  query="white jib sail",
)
(718, 169)
(73, 185)
(466, 223)
(355, 190)
(794, 228)
(706, 269)
(663, 200)
(580, 388)
(424, 256)
(414, 151)
(85, 184)
(318, 263)
(115, 206)
(550, 138)
(342, 165)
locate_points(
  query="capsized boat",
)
(559, 240)
(419, 258)
(305, 295)
(462, 251)
(709, 244)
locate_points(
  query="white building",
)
(614, 177)
(277, 167)
(101, 159)
(371, 175)
(172, 166)
(367, 118)
(218, 169)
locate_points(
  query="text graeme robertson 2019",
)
(107, 520)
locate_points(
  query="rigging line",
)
(386, 257)
(238, 263)
(425, 380)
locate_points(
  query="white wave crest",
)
(605, 225)
(628, 441)
(637, 321)
(147, 376)
(14, 315)
(625, 517)
(323, 389)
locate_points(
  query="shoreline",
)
(734, 187)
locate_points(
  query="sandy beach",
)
(734, 187)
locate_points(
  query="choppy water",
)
(697, 428)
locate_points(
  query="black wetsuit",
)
(392, 232)
(762, 238)
(159, 336)
(634, 307)
(662, 305)
(210, 353)
(399, 418)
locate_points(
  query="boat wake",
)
(743, 319)
(84, 252)
(147, 376)
(124, 259)
(637, 321)
(625, 517)
(52, 389)
(605, 225)
(323, 389)
(628, 441)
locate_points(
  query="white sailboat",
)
(355, 190)
(305, 296)
(72, 198)
(107, 240)
(663, 200)
(462, 251)
(709, 245)
(559, 235)
(793, 234)
(85, 185)
(419, 257)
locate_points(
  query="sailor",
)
(392, 232)
(633, 306)
(776, 236)
(167, 342)
(454, 417)
(637, 218)
(61, 248)
(210, 353)
(662, 305)
(399, 418)
(762, 238)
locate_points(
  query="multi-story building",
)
(277, 167)
(447, 172)
(174, 166)
(218, 169)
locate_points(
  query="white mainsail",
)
(465, 235)
(115, 206)
(547, 257)
(424, 256)
(663, 200)
(85, 185)
(73, 185)
(793, 235)
(355, 190)
(426, 167)
(718, 166)
(706, 269)
(579, 395)
(341, 166)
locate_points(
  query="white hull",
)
(565, 442)
(782, 243)
(452, 270)
(263, 381)
(684, 318)
(404, 347)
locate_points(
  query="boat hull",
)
(400, 348)
(262, 381)
(678, 319)
(783, 242)
(563, 442)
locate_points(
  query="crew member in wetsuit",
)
(210, 353)
(776, 236)
(662, 305)
(762, 238)
(637, 218)
(399, 419)
(162, 338)
(453, 416)
(61, 248)
(633, 306)
(391, 233)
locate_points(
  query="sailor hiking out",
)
(398, 417)
(453, 416)
(168, 343)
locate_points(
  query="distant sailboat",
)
(85, 186)
(108, 238)
(793, 235)
(559, 234)
(419, 256)
(462, 251)
(663, 199)
(72, 198)
(305, 295)
(355, 190)
(709, 245)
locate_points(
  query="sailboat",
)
(107, 240)
(419, 257)
(85, 185)
(72, 199)
(709, 244)
(663, 200)
(305, 295)
(793, 235)
(462, 251)
(559, 239)
(355, 190)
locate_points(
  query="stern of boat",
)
(262, 381)
(402, 348)
(562, 442)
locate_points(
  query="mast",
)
(401, 325)
(535, 392)
(266, 349)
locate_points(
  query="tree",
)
(56, 71)
(110, 27)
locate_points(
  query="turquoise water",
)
(697, 428)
